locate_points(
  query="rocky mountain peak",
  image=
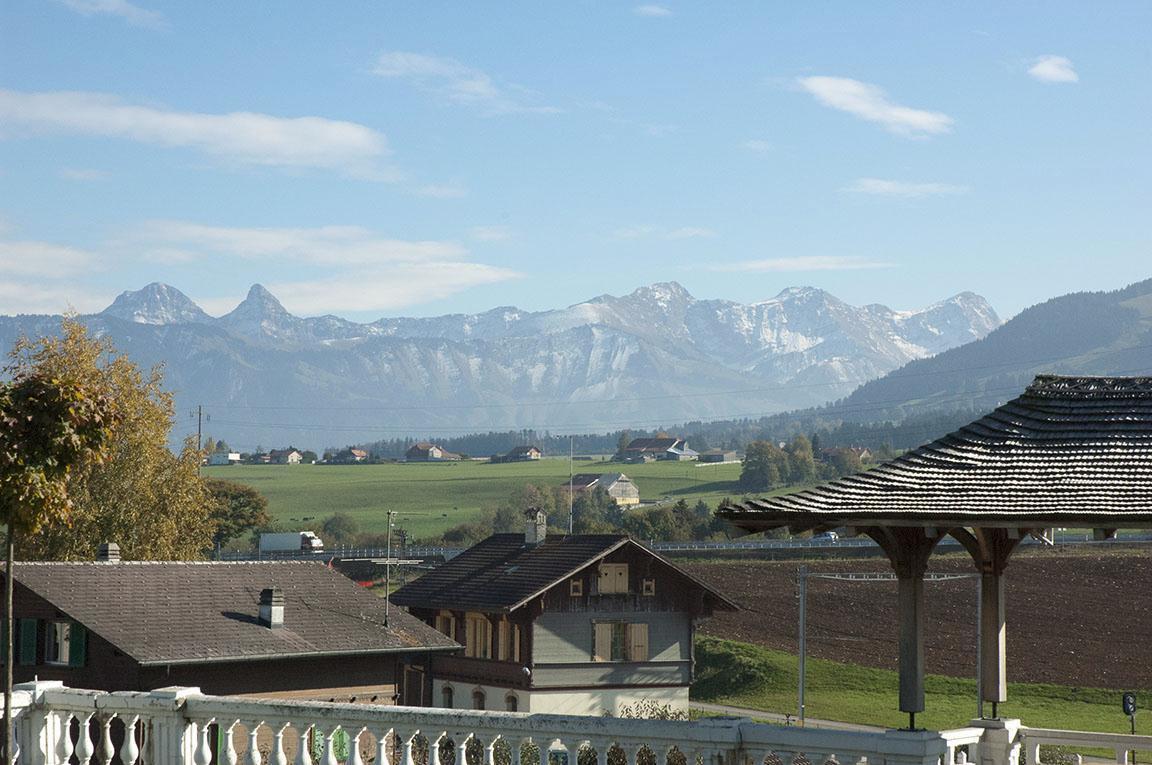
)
(156, 303)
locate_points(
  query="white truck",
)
(293, 541)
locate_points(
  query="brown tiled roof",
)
(582, 481)
(652, 444)
(501, 573)
(1069, 451)
(184, 612)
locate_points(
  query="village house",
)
(619, 486)
(581, 624)
(284, 629)
(519, 454)
(285, 457)
(224, 458)
(659, 448)
(426, 452)
(861, 453)
(718, 455)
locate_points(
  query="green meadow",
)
(433, 497)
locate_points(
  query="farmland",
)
(441, 495)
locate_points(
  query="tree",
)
(50, 428)
(236, 508)
(761, 469)
(801, 461)
(339, 530)
(150, 501)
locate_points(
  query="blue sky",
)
(385, 158)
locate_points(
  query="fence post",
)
(172, 737)
(37, 730)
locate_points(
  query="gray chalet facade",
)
(579, 624)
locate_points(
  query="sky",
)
(372, 159)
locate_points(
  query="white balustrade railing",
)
(56, 725)
(1121, 744)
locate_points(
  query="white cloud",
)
(491, 233)
(870, 102)
(43, 259)
(342, 268)
(806, 263)
(454, 81)
(888, 188)
(680, 232)
(1053, 69)
(652, 11)
(452, 190)
(757, 145)
(22, 297)
(133, 14)
(246, 137)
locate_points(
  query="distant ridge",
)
(656, 355)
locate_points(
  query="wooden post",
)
(993, 644)
(910, 601)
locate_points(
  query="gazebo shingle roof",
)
(1069, 451)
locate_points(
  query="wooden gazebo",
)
(1069, 452)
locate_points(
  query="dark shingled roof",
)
(501, 573)
(186, 612)
(1069, 451)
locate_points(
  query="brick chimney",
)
(108, 552)
(272, 607)
(535, 527)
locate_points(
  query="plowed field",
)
(1074, 618)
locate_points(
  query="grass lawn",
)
(750, 676)
(440, 495)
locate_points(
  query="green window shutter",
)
(29, 631)
(77, 645)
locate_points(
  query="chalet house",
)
(224, 458)
(523, 454)
(288, 630)
(862, 453)
(619, 486)
(661, 448)
(426, 452)
(358, 455)
(581, 624)
(285, 457)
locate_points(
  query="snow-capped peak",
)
(156, 303)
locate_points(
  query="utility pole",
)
(802, 579)
(388, 568)
(571, 478)
(199, 435)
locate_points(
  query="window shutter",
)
(602, 651)
(77, 645)
(29, 631)
(638, 642)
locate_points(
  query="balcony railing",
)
(56, 725)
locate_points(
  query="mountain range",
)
(656, 355)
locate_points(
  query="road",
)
(757, 714)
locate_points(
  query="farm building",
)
(426, 452)
(718, 455)
(580, 624)
(250, 629)
(284, 457)
(660, 448)
(519, 454)
(619, 486)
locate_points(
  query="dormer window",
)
(576, 588)
(648, 587)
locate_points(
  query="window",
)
(446, 624)
(58, 636)
(620, 641)
(613, 578)
(649, 587)
(576, 588)
(508, 639)
(512, 703)
(446, 697)
(478, 699)
(477, 636)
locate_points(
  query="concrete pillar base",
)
(1000, 744)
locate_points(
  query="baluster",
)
(107, 750)
(64, 746)
(462, 750)
(253, 757)
(279, 757)
(633, 755)
(602, 748)
(330, 747)
(490, 751)
(354, 757)
(203, 754)
(130, 751)
(382, 757)
(434, 749)
(304, 747)
(230, 755)
(85, 747)
(409, 759)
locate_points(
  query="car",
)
(829, 537)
